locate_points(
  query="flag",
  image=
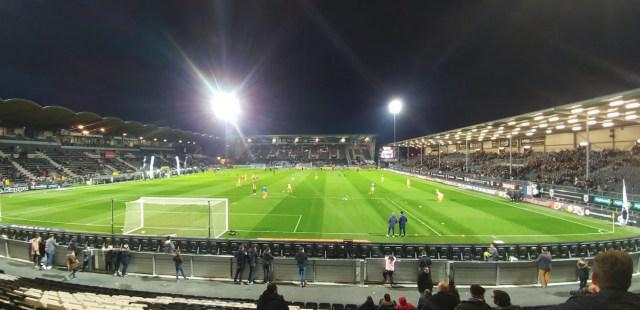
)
(624, 213)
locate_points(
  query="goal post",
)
(177, 216)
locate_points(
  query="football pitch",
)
(324, 205)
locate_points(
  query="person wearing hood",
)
(404, 305)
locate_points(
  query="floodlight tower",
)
(395, 106)
(226, 108)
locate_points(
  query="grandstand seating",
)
(607, 167)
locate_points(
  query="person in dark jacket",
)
(301, 260)
(368, 305)
(402, 224)
(544, 266)
(108, 258)
(87, 255)
(476, 301)
(424, 281)
(271, 300)
(611, 279)
(252, 260)
(267, 265)
(583, 272)
(115, 260)
(425, 299)
(442, 300)
(177, 262)
(73, 246)
(241, 261)
(124, 259)
(503, 301)
(386, 303)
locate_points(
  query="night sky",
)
(318, 66)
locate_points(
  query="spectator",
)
(443, 299)
(178, 261)
(611, 278)
(73, 246)
(404, 305)
(386, 303)
(50, 248)
(301, 259)
(87, 254)
(168, 246)
(124, 259)
(368, 305)
(544, 267)
(502, 300)
(453, 290)
(271, 300)
(115, 260)
(241, 261)
(35, 252)
(108, 258)
(476, 301)
(425, 262)
(424, 280)
(73, 264)
(583, 272)
(252, 258)
(267, 265)
(389, 268)
(425, 300)
(493, 252)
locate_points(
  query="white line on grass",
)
(525, 209)
(297, 224)
(52, 222)
(415, 235)
(417, 219)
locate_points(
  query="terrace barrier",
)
(349, 271)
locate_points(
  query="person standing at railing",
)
(177, 261)
(389, 268)
(34, 245)
(544, 266)
(301, 260)
(50, 248)
(583, 272)
(252, 258)
(267, 265)
(124, 259)
(241, 261)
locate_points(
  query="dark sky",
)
(318, 66)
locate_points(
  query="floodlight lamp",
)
(395, 106)
(225, 106)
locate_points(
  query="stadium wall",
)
(351, 271)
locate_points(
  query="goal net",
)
(177, 216)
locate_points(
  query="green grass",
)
(336, 205)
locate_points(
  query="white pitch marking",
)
(417, 219)
(297, 224)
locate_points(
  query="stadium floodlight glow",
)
(576, 128)
(395, 106)
(560, 127)
(631, 117)
(549, 131)
(553, 119)
(124, 134)
(225, 106)
(102, 129)
(607, 124)
(593, 112)
(616, 103)
(577, 110)
(80, 126)
(613, 114)
(85, 132)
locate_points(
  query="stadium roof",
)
(16, 113)
(616, 110)
(310, 138)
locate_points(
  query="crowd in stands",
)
(322, 154)
(607, 167)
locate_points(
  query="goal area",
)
(177, 216)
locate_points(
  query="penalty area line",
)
(297, 224)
